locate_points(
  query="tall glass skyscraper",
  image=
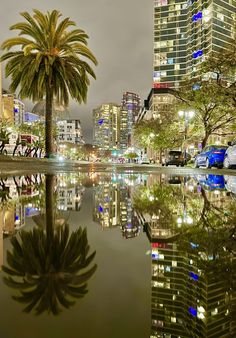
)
(185, 33)
(130, 103)
(110, 127)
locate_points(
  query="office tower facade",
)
(131, 103)
(110, 127)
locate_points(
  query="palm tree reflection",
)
(49, 268)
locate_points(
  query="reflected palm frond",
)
(49, 275)
(49, 266)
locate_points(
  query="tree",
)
(160, 201)
(212, 96)
(131, 156)
(159, 134)
(49, 63)
(89, 149)
(214, 112)
(49, 268)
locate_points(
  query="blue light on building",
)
(101, 121)
(100, 208)
(194, 245)
(197, 54)
(192, 311)
(194, 276)
(197, 16)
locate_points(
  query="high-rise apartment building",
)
(110, 127)
(185, 33)
(131, 103)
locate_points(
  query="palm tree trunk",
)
(49, 206)
(48, 122)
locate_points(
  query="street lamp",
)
(187, 115)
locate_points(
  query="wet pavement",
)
(16, 165)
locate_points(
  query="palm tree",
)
(50, 268)
(49, 63)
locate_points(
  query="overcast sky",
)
(120, 36)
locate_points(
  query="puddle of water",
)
(117, 255)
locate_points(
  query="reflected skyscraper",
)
(193, 266)
(192, 293)
(113, 206)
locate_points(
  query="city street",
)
(21, 166)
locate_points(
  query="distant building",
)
(110, 130)
(12, 108)
(131, 103)
(70, 131)
(112, 206)
(31, 118)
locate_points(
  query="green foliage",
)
(159, 134)
(49, 52)
(214, 112)
(162, 201)
(214, 101)
(47, 59)
(131, 155)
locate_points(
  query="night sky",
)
(120, 36)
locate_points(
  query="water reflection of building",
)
(113, 207)
(107, 205)
(70, 192)
(69, 198)
(12, 218)
(191, 297)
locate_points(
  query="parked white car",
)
(230, 184)
(230, 155)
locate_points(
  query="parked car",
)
(230, 155)
(174, 157)
(211, 156)
(230, 185)
(211, 182)
(144, 160)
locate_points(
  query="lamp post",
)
(187, 115)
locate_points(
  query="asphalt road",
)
(21, 166)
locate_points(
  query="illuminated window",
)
(220, 16)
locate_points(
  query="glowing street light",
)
(187, 115)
